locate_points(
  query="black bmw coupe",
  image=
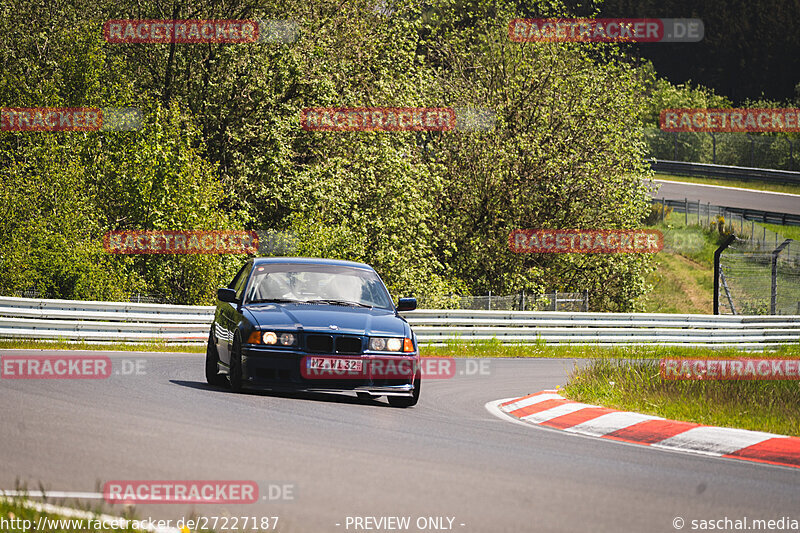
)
(313, 325)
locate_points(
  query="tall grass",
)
(636, 385)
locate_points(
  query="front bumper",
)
(282, 370)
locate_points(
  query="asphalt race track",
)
(729, 196)
(446, 457)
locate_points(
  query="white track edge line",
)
(727, 187)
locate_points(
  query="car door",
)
(229, 314)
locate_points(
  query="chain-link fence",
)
(557, 301)
(760, 275)
(759, 272)
(134, 298)
(737, 149)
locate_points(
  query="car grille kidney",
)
(348, 344)
(319, 343)
(326, 344)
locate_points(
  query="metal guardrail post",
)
(717, 254)
(773, 296)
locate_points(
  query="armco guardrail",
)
(706, 170)
(25, 318)
(766, 217)
(438, 326)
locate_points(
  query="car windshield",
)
(330, 284)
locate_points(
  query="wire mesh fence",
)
(759, 278)
(759, 272)
(557, 301)
(133, 298)
(776, 151)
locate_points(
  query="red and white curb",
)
(550, 409)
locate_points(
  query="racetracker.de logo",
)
(378, 119)
(180, 31)
(639, 30)
(180, 492)
(730, 369)
(181, 242)
(70, 119)
(318, 367)
(55, 367)
(580, 241)
(730, 120)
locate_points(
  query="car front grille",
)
(319, 343)
(348, 344)
(340, 344)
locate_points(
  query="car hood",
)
(313, 317)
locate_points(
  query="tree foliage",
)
(221, 148)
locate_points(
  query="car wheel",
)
(235, 371)
(407, 401)
(213, 377)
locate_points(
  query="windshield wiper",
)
(274, 301)
(338, 302)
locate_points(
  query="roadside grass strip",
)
(19, 513)
(550, 409)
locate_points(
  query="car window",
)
(296, 282)
(238, 275)
(240, 280)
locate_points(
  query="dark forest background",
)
(751, 49)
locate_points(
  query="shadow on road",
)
(309, 396)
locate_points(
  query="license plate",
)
(331, 363)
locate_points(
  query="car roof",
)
(308, 261)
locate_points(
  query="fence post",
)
(555, 300)
(714, 147)
(586, 300)
(773, 293)
(685, 211)
(717, 254)
(490, 300)
(675, 152)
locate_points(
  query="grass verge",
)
(636, 385)
(494, 348)
(33, 344)
(457, 347)
(17, 515)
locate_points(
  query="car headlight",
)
(386, 344)
(272, 338)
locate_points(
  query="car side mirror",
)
(226, 295)
(406, 304)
